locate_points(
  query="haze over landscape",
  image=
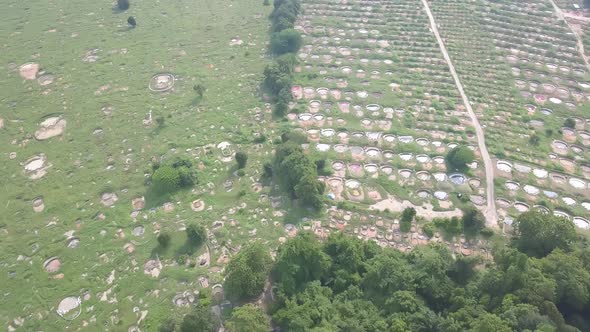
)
(295, 165)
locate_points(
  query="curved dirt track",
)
(490, 212)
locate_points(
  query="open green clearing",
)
(189, 39)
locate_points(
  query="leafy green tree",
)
(196, 234)
(199, 320)
(405, 223)
(572, 278)
(569, 123)
(286, 41)
(241, 159)
(308, 310)
(459, 157)
(247, 272)
(310, 191)
(473, 220)
(539, 233)
(164, 239)
(300, 260)
(387, 273)
(490, 323)
(166, 179)
(248, 318)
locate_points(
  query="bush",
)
(570, 123)
(286, 41)
(131, 21)
(196, 234)
(241, 159)
(405, 223)
(267, 170)
(459, 157)
(123, 4)
(429, 229)
(166, 179)
(164, 239)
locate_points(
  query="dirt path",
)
(562, 16)
(427, 210)
(490, 212)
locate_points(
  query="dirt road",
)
(562, 16)
(490, 212)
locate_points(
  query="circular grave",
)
(69, 308)
(521, 207)
(305, 116)
(458, 179)
(323, 147)
(138, 230)
(422, 158)
(569, 201)
(386, 169)
(197, 205)
(340, 148)
(38, 204)
(73, 242)
(440, 177)
(52, 264)
(540, 173)
(373, 107)
(512, 186)
(50, 127)
(36, 167)
(474, 182)
(373, 152)
(562, 214)
(405, 173)
(441, 195)
(424, 194)
(45, 79)
(423, 175)
(582, 223)
(29, 71)
(503, 203)
(371, 168)
(577, 183)
(504, 166)
(108, 199)
(161, 82)
(531, 190)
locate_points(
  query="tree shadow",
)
(154, 198)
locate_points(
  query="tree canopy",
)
(459, 157)
(539, 233)
(247, 272)
(248, 318)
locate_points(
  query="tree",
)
(459, 157)
(169, 325)
(300, 260)
(123, 4)
(199, 320)
(248, 318)
(166, 179)
(247, 272)
(286, 41)
(131, 21)
(473, 220)
(196, 234)
(405, 223)
(539, 233)
(310, 191)
(241, 159)
(569, 123)
(490, 323)
(535, 140)
(164, 239)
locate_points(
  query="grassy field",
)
(191, 40)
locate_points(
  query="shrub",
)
(131, 21)
(166, 179)
(196, 234)
(241, 159)
(570, 123)
(286, 41)
(123, 4)
(459, 156)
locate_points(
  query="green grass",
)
(189, 39)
